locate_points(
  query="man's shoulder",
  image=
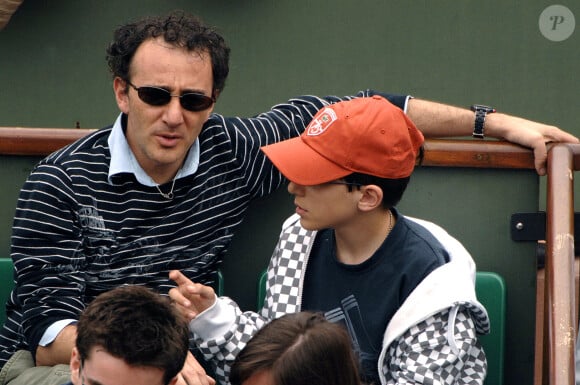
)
(94, 143)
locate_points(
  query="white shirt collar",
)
(123, 160)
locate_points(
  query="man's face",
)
(101, 368)
(160, 136)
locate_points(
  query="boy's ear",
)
(371, 197)
(75, 359)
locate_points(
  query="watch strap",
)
(481, 112)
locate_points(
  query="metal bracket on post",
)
(528, 226)
(531, 227)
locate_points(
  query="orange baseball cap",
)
(363, 135)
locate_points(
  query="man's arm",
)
(59, 351)
(441, 120)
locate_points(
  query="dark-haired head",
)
(137, 325)
(178, 29)
(299, 349)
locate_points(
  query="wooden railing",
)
(454, 153)
(563, 159)
(37, 141)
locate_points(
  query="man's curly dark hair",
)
(177, 28)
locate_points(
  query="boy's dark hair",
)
(137, 325)
(393, 189)
(178, 29)
(299, 349)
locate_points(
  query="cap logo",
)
(321, 122)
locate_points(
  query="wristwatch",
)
(481, 112)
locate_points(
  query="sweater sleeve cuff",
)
(398, 100)
(213, 322)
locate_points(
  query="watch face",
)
(483, 108)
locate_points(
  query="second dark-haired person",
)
(297, 349)
(129, 335)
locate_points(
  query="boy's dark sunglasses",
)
(345, 183)
(155, 96)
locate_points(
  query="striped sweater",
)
(76, 235)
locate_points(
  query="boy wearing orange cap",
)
(403, 287)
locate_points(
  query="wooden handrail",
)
(438, 152)
(476, 153)
(37, 141)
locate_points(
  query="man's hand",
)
(528, 134)
(193, 373)
(190, 298)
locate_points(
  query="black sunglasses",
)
(345, 183)
(155, 96)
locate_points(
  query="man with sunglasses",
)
(167, 185)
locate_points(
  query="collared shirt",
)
(123, 160)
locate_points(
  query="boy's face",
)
(325, 205)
